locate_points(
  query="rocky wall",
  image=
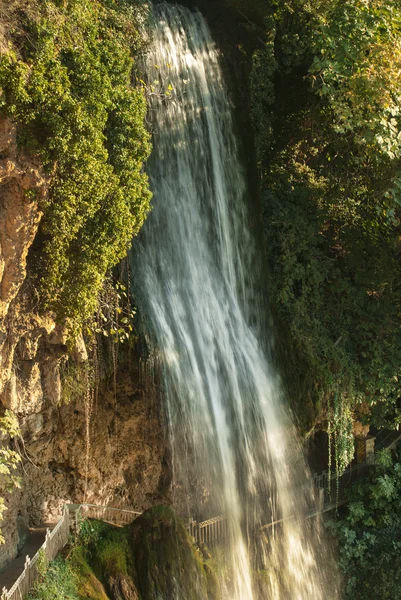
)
(127, 465)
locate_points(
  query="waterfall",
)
(235, 450)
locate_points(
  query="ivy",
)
(9, 459)
(328, 144)
(368, 532)
(69, 87)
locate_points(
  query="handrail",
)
(55, 540)
(112, 508)
(209, 531)
(50, 549)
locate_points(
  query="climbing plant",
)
(368, 532)
(67, 82)
(328, 144)
(9, 459)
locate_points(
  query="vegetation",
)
(66, 79)
(145, 559)
(325, 101)
(9, 459)
(165, 562)
(369, 532)
(92, 564)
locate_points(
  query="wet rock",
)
(166, 563)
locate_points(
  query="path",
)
(15, 568)
(330, 494)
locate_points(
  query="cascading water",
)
(234, 448)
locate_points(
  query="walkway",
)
(15, 568)
(22, 572)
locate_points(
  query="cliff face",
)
(126, 446)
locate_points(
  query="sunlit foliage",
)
(325, 103)
(67, 81)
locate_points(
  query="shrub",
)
(68, 85)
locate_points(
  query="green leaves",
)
(72, 96)
(327, 127)
(356, 66)
(9, 459)
(369, 532)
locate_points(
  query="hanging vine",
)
(88, 403)
(340, 436)
(113, 320)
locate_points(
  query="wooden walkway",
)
(15, 568)
(22, 573)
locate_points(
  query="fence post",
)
(27, 570)
(48, 549)
(77, 514)
(4, 593)
(320, 500)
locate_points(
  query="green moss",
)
(70, 578)
(107, 555)
(88, 585)
(112, 553)
(165, 563)
(150, 559)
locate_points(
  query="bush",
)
(58, 583)
(328, 143)
(69, 87)
(369, 533)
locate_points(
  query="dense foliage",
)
(66, 79)
(58, 582)
(94, 567)
(141, 560)
(369, 533)
(325, 102)
(9, 460)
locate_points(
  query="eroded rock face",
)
(125, 454)
(126, 450)
(126, 468)
(22, 186)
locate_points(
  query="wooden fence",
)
(208, 532)
(54, 542)
(331, 489)
(116, 516)
(329, 493)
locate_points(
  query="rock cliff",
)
(126, 445)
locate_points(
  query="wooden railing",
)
(208, 532)
(331, 489)
(54, 542)
(329, 494)
(116, 516)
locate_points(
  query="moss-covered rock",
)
(108, 556)
(165, 562)
(152, 559)
(88, 585)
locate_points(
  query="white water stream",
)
(235, 451)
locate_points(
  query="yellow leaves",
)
(360, 74)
